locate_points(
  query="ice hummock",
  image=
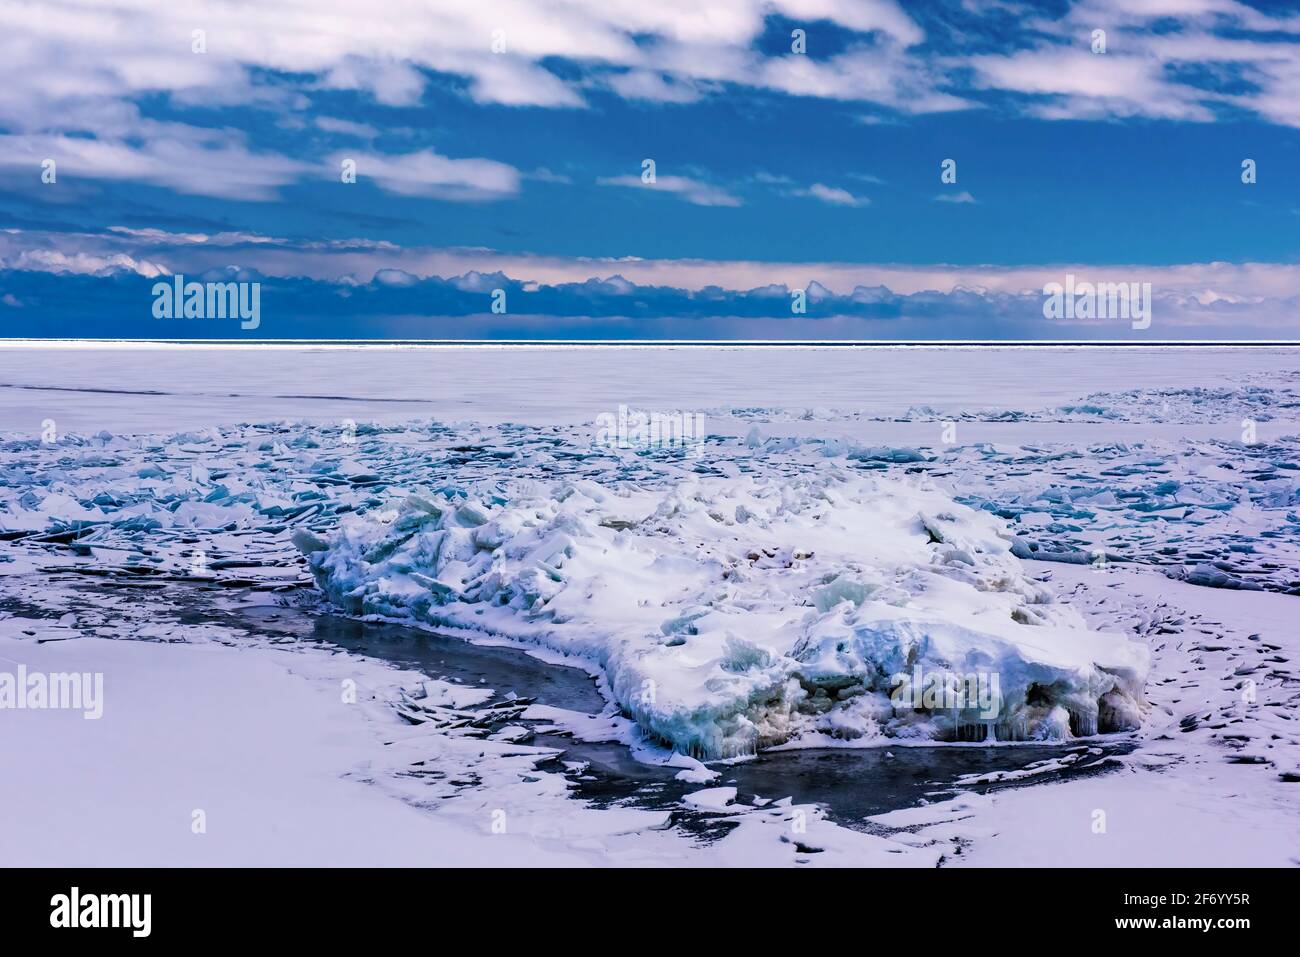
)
(732, 614)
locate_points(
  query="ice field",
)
(1112, 533)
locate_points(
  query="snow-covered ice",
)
(734, 614)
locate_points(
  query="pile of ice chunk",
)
(732, 614)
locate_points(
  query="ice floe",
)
(735, 614)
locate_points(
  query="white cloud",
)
(112, 51)
(391, 82)
(426, 173)
(865, 16)
(1243, 299)
(884, 74)
(1205, 282)
(652, 86)
(1144, 72)
(691, 190)
(545, 175)
(1090, 85)
(80, 263)
(119, 48)
(166, 238)
(361, 131)
(179, 157)
(513, 81)
(962, 197)
(75, 70)
(833, 195)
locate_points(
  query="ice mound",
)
(731, 614)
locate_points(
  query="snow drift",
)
(731, 614)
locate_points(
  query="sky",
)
(501, 152)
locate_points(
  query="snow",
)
(124, 792)
(285, 771)
(744, 612)
(1212, 791)
(1151, 818)
(712, 799)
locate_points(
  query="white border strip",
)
(353, 344)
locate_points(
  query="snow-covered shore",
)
(219, 745)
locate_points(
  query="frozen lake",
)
(144, 388)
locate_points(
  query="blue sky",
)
(521, 169)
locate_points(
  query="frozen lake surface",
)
(144, 388)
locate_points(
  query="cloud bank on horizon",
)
(659, 170)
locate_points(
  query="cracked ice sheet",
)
(1213, 782)
(286, 773)
(1212, 506)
